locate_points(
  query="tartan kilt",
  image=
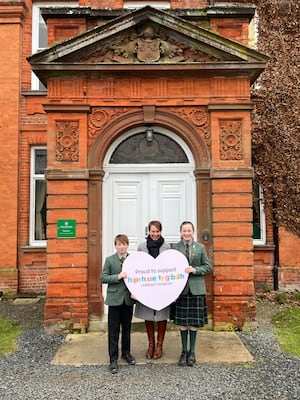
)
(190, 310)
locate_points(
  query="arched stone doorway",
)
(125, 123)
(148, 176)
(148, 173)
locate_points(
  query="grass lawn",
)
(287, 329)
(8, 334)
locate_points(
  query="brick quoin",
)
(68, 275)
(230, 185)
(79, 201)
(68, 187)
(67, 259)
(233, 258)
(234, 273)
(233, 244)
(232, 215)
(232, 200)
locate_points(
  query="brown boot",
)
(161, 330)
(151, 339)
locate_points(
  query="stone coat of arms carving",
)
(146, 47)
(148, 50)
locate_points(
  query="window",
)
(38, 196)
(259, 219)
(39, 34)
(148, 147)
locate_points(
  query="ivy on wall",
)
(276, 122)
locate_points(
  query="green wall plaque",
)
(66, 228)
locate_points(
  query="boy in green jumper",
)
(120, 304)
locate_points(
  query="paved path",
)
(91, 349)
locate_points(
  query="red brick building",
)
(129, 111)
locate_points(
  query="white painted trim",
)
(33, 178)
(35, 31)
(262, 218)
(140, 168)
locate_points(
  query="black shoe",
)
(182, 359)
(113, 367)
(128, 357)
(191, 360)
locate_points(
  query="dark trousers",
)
(119, 316)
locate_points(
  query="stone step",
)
(137, 325)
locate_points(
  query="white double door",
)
(132, 199)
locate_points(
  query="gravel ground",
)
(27, 373)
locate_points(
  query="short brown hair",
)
(186, 223)
(122, 239)
(157, 225)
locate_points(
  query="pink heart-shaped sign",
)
(156, 282)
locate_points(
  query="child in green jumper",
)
(120, 304)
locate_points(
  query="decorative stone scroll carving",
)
(98, 118)
(230, 139)
(147, 47)
(197, 116)
(67, 140)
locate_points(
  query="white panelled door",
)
(131, 200)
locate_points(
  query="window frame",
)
(36, 6)
(262, 217)
(33, 179)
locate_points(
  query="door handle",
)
(146, 231)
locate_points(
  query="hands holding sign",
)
(156, 282)
(156, 276)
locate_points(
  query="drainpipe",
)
(276, 252)
(211, 2)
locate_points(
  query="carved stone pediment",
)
(148, 36)
(147, 47)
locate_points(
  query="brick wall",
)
(9, 280)
(289, 261)
(263, 267)
(120, 3)
(11, 17)
(231, 28)
(33, 279)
